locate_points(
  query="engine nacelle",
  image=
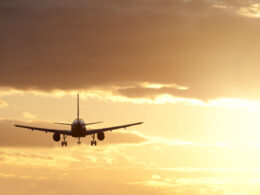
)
(56, 137)
(101, 136)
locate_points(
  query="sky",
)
(187, 68)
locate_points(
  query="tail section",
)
(82, 123)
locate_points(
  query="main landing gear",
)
(93, 142)
(64, 142)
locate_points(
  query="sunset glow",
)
(189, 69)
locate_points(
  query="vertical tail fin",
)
(78, 106)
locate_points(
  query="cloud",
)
(3, 103)
(83, 45)
(56, 170)
(153, 93)
(28, 115)
(206, 185)
(244, 8)
(127, 137)
(42, 166)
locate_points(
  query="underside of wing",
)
(93, 131)
(65, 132)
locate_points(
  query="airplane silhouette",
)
(78, 129)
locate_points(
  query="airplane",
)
(78, 129)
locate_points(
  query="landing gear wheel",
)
(64, 142)
(93, 142)
(79, 141)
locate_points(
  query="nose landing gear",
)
(93, 142)
(79, 141)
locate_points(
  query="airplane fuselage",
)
(78, 128)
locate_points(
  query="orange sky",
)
(187, 68)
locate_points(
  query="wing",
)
(65, 132)
(93, 131)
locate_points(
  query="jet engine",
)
(56, 137)
(101, 136)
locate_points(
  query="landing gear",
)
(64, 142)
(93, 142)
(79, 141)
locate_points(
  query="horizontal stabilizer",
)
(93, 123)
(63, 123)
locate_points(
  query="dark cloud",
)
(68, 44)
(18, 137)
